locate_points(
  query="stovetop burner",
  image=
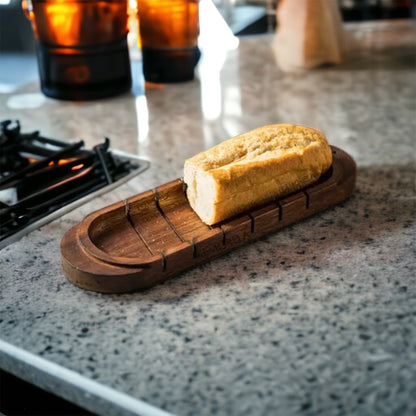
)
(43, 178)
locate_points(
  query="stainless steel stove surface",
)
(42, 178)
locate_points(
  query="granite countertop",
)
(318, 318)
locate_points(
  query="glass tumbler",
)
(81, 47)
(169, 31)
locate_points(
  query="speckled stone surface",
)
(317, 319)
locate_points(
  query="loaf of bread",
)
(254, 168)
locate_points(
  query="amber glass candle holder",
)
(168, 33)
(81, 47)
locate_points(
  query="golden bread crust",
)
(253, 168)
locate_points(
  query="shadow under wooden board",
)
(148, 238)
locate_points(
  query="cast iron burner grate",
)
(43, 178)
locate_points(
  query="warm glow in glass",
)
(168, 23)
(81, 47)
(169, 31)
(77, 22)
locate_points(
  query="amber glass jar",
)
(169, 32)
(81, 46)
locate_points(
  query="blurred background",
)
(244, 17)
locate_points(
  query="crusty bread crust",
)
(254, 168)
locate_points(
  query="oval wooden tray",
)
(144, 240)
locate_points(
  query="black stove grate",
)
(39, 176)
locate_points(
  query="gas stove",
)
(42, 178)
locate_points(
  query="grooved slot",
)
(159, 208)
(263, 219)
(129, 219)
(307, 199)
(163, 261)
(112, 233)
(224, 238)
(293, 207)
(150, 223)
(252, 222)
(175, 206)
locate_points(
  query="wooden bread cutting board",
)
(148, 238)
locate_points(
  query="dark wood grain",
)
(140, 242)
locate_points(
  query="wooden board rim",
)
(90, 267)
